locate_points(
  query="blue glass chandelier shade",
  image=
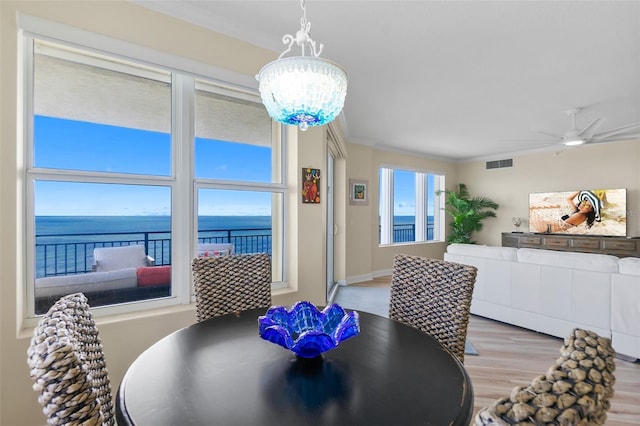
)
(303, 91)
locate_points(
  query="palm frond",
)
(467, 213)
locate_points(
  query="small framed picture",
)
(358, 192)
(310, 185)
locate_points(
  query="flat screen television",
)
(600, 212)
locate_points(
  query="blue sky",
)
(404, 188)
(76, 145)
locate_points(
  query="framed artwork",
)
(310, 186)
(358, 192)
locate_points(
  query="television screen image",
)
(600, 212)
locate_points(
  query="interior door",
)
(330, 227)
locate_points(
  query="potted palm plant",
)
(467, 213)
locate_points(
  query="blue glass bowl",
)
(307, 331)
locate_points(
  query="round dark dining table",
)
(220, 372)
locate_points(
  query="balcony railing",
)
(65, 254)
(407, 232)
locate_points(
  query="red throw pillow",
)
(154, 275)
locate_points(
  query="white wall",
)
(365, 258)
(611, 165)
(125, 337)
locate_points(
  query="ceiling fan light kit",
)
(302, 90)
(573, 142)
(575, 136)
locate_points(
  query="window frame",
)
(276, 186)
(181, 181)
(386, 203)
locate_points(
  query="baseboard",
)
(359, 278)
(382, 273)
(366, 277)
(333, 292)
(627, 358)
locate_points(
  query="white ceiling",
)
(457, 79)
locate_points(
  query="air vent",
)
(498, 164)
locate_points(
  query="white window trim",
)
(421, 207)
(278, 256)
(387, 204)
(31, 27)
(87, 40)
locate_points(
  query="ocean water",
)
(64, 244)
(64, 226)
(77, 225)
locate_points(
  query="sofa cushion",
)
(153, 275)
(214, 250)
(114, 258)
(213, 253)
(491, 252)
(582, 261)
(83, 283)
(629, 265)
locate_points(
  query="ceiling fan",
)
(577, 136)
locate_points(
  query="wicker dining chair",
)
(576, 390)
(433, 296)
(68, 366)
(232, 283)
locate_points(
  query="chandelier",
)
(302, 90)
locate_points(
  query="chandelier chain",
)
(302, 90)
(302, 37)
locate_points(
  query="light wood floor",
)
(512, 356)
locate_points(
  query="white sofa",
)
(553, 291)
(625, 307)
(115, 268)
(94, 281)
(120, 257)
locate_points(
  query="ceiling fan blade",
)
(559, 137)
(615, 132)
(618, 138)
(588, 131)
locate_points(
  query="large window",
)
(121, 154)
(409, 208)
(239, 180)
